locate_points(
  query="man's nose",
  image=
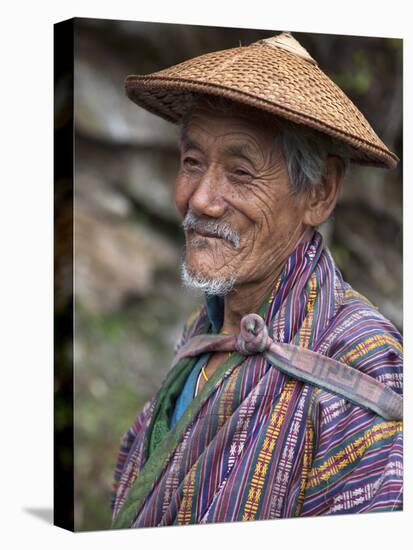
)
(208, 196)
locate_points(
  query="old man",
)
(284, 397)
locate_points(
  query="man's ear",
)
(322, 198)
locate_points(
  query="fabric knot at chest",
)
(253, 337)
(302, 364)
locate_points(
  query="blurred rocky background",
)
(130, 306)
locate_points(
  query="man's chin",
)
(208, 282)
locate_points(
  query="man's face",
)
(233, 189)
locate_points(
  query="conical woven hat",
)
(276, 75)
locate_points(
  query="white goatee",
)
(218, 286)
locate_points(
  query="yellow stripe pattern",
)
(184, 513)
(352, 452)
(370, 344)
(265, 454)
(307, 324)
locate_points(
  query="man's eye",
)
(191, 161)
(241, 173)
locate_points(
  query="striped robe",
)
(259, 444)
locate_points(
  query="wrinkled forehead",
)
(235, 124)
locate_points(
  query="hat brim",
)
(305, 96)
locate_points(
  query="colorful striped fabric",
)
(258, 444)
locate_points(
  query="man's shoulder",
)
(360, 313)
(362, 337)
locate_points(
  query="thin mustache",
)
(219, 229)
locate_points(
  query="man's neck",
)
(248, 298)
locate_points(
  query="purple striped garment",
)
(263, 445)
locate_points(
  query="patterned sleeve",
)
(357, 461)
(125, 447)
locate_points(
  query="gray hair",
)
(305, 150)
